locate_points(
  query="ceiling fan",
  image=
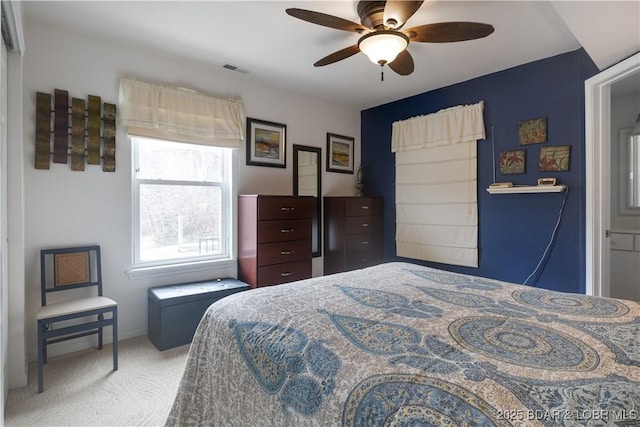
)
(383, 40)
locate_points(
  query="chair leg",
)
(115, 338)
(100, 317)
(41, 355)
(44, 327)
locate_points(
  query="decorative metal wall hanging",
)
(76, 131)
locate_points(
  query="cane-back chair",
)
(64, 271)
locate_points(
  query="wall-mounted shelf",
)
(528, 189)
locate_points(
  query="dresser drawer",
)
(363, 206)
(281, 230)
(363, 224)
(357, 260)
(283, 273)
(285, 207)
(279, 252)
(363, 242)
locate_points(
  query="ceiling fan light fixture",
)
(383, 46)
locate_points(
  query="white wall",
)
(67, 208)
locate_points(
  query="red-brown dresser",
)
(352, 233)
(274, 238)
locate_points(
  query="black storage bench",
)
(176, 310)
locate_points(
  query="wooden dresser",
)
(274, 238)
(352, 233)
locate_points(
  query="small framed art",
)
(555, 158)
(532, 131)
(266, 143)
(512, 162)
(339, 153)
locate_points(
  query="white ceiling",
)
(258, 36)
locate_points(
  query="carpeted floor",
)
(80, 389)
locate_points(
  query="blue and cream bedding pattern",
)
(402, 344)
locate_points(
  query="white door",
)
(598, 171)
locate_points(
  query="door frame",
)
(598, 171)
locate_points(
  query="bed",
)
(402, 344)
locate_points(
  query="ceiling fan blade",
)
(326, 20)
(444, 32)
(403, 64)
(400, 12)
(338, 56)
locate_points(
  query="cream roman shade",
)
(436, 187)
(171, 113)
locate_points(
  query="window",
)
(436, 185)
(182, 202)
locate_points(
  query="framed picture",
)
(555, 158)
(532, 131)
(512, 162)
(339, 153)
(266, 143)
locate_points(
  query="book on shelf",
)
(501, 185)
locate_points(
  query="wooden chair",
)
(63, 271)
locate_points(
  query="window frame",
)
(187, 263)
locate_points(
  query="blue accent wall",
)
(514, 229)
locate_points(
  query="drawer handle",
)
(365, 224)
(285, 274)
(287, 208)
(287, 230)
(365, 207)
(364, 259)
(365, 242)
(285, 252)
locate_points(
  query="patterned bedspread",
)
(402, 344)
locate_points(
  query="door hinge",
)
(607, 233)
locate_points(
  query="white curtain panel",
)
(436, 185)
(172, 113)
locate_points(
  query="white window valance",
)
(449, 126)
(436, 185)
(172, 113)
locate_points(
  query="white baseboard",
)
(19, 380)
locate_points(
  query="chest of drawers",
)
(352, 233)
(274, 239)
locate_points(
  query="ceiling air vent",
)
(234, 68)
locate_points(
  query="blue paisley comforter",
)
(402, 344)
